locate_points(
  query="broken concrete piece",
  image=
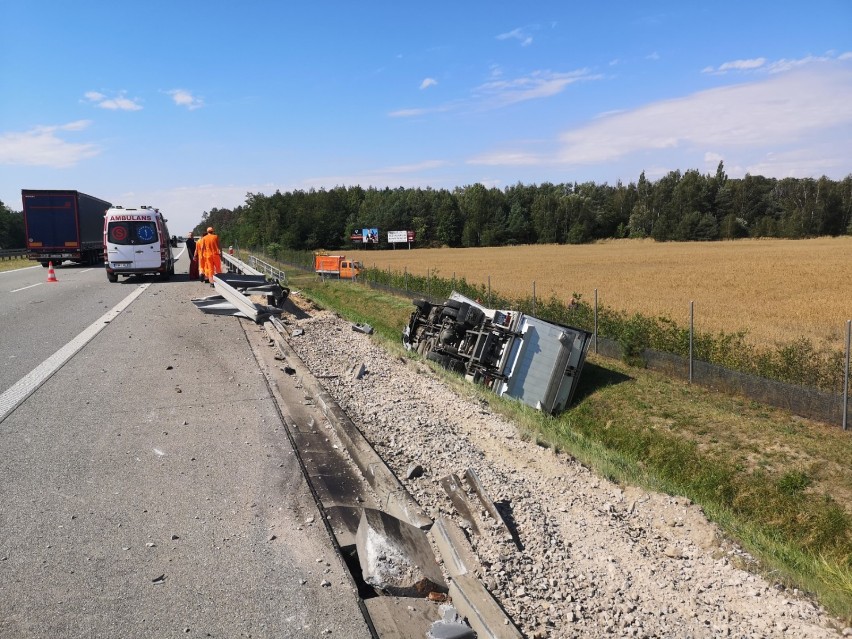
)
(452, 486)
(396, 557)
(363, 328)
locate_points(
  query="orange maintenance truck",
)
(336, 266)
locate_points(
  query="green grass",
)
(777, 484)
(18, 262)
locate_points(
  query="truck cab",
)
(137, 242)
(338, 266)
(349, 269)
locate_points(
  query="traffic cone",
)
(51, 274)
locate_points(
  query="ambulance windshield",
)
(132, 232)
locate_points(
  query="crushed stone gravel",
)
(595, 559)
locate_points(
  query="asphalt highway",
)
(147, 487)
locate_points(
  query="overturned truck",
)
(514, 354)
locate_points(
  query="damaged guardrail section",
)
(235, 288)
(514, 354)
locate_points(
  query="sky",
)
(191, 105)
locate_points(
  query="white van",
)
(137, 241)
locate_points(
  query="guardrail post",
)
(533, 298)
(596, 321)
(846, 376)
(691, 333)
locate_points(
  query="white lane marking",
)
(26, 287)
(28, 384)
(85, 270)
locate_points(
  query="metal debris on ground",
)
(450, 626)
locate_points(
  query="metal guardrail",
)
(10, 254)
(267, 269)
(255, 266)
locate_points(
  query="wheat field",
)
(775, 290)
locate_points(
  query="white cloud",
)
(117, 103)
(778, 66)
(498, 92)
(428, 82)
(44, 146)
(412, 168)
(410, 113)
(741, 65)
(784, 109)
(182, 206)
(539, 84)
(519, 34)
(821, 159)
(184, 98)
(508, 158)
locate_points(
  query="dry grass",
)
(776, 290)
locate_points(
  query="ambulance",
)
(137, 242)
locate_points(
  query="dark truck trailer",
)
(64, 225)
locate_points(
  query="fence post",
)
(490, 304)
(454, 280)
(405, 279)
(846, 376)
(533, 298)
(596, 321)
(691, 333)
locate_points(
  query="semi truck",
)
(336, 266)
(64, 225)
(513, 354)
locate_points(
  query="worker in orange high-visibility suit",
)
(200, 256)
(212, 255)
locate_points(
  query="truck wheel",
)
(438, 358)
(453, 304)
(45, 264)
(450, 312)
(112, 277)
(457, 366)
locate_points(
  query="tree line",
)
(12, 233)
(678, 207)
